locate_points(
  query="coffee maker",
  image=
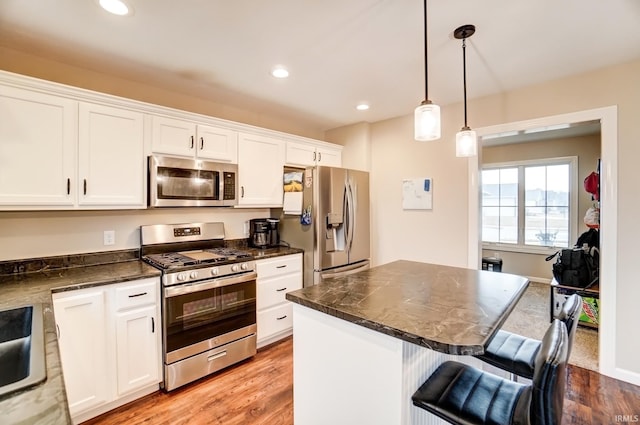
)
(259, 233)
(274, 234)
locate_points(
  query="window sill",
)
(537, 250)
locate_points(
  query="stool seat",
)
(516, 354)
(512, 352)
(463, 394)
(459, 393)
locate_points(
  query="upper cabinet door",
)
(260, 167)
(173, 137)
(111, 151)
(307, 154)
(301, 154)
(217, 144)
(329, 157)
(38, 134)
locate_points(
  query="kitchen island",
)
(364, 343)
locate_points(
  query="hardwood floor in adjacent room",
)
(260, 391)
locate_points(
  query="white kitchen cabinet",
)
(111, 166)
(185, 138)
(276, 277)
(83, 341)
(57, 153)
(110, 344)
(38, 140)
(260, 165)
(307, 154)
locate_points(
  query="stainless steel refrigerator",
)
(332, 225)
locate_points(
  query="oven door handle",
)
(178, 290)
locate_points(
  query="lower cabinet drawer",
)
(143, 292)
(274, 320)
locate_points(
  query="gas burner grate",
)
(170, 260)
(230, 253)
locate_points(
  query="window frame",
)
(521, 247)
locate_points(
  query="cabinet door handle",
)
(242, 191)
(319, 156)
(281, 267)
(280, 318)
(57, 331)
(281, 289)
(68, 186)
(192, 142)
(201, 143)
(137, 295)
(153, 325)
(85, 186)
(314, 156)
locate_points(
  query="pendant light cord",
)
(464, 78)
(426, 68)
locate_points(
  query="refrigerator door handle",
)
(352, 215)
(346, 270)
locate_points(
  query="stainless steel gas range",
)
(208, 299)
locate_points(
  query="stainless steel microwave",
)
(181, 182)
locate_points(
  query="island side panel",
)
(344, 373)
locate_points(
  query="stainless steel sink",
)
(22, 356)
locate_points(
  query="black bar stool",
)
(463, 394)
(516, 354)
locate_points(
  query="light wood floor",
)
(260, 391)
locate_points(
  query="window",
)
(530, 205)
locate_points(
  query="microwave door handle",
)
(220, 185)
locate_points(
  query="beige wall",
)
(587, 149)
(356, 147)
(49, 233)
(441, 235)
(150, 86)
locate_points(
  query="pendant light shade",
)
(466, 142)
(427, 122)
(427, 115)
(466, 139)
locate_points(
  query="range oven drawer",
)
(195, 367)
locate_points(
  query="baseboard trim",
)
(536, 279)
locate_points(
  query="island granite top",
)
(448, 309)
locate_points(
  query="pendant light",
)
(427, 115)
(466, 139)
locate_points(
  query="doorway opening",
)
(607, 119)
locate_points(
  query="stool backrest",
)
(570, 315)
(549, 376)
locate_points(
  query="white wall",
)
(441, 235)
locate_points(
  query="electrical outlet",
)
(109, 237)
(246, 229)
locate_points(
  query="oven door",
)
(204, 315)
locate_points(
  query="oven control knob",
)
(193, 275)
(244, 266)
(234, 268)
(215, 271)
(182, 276)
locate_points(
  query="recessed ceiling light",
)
(280, 72)
(117, 7)
(362, 107)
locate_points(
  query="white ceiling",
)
(339, 52)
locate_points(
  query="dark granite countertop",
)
(31, 281)
(263, 254)
(46, 403)
(448, 309)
